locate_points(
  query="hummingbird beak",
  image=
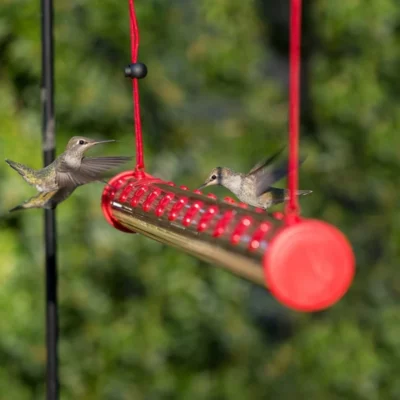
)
(95, 142)
(205, 184)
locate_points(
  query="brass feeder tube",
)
(220, 232)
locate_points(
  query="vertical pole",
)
(48, 131)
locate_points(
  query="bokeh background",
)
(139, 320)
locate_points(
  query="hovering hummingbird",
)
(255, 187)
(71, 169)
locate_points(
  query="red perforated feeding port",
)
(165, 201)
(309, 266)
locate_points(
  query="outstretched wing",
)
(59, 196)
(266, 177)
(267, 174)
(265, 163)
(91, 169)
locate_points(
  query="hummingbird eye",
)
(81, 141)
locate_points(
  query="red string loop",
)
(134, 30)
(292, 206)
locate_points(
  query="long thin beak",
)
(203, 186)
(101, 141)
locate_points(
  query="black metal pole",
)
(47, 97)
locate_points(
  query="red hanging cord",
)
(292, 207)
(134, 29)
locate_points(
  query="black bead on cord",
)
(136, 70)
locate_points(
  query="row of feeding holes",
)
(239, 230)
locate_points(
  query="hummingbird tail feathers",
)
(303, 192)
(47, 200)
(299, 193)
(22, 169)
(19, 207)
(281, 195)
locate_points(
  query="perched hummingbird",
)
(255, 187)
(71, 169)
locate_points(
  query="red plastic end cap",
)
(309, 266)
(108, 193)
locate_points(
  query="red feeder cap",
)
(309, 266)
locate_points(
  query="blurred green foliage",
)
(139, 320)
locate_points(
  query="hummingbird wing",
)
(91, 169)
(265, 162)
(265, 177)
(59, 196)
(98, 165)
(266, 174)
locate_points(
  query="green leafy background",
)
(139, 320)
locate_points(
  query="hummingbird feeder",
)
(308, 265)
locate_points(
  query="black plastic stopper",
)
(136, 70)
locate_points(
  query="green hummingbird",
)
(71, 169)
(254, 188)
